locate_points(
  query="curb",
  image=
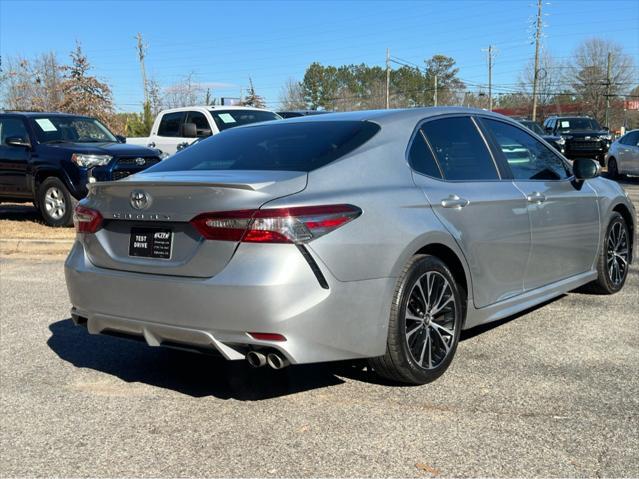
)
(35, 246)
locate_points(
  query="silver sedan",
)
(623, 156)
(374, 234)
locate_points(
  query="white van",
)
(181, 126)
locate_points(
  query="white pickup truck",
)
(179, 127)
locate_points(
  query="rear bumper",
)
(264, 288)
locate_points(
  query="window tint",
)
(12, 128)
(631, 139)
(421, 159)
(280, 146)
(201, 123)
(171, 123)
(231, 118)
(460, 150)
(528, 158)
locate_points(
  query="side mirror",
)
(585, 168)
(17, 141)
(189, 130)
(120, 138)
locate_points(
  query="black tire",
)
(399, 364)
(55, 202)
(611, 278)
(613, 169)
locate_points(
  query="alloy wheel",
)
(54, 203)
(430, 320)
(617, 256)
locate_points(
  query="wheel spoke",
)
(426, 341)
(439, 327)
(441, 338)
(418, 285)
(413, 331)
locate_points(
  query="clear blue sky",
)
(223, 43)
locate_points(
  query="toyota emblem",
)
(140, 161)
(140, 200)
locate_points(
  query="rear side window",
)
(421, 158)
(528, 158)
(631, 139)
(460, 150)
(171, 123)
(283, 146)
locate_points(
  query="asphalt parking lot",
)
(552, 392)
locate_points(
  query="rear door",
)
(484, 213)
(564, 214)
(14, 160)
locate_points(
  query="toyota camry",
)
(373, 234)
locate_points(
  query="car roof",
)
(40, 113)
(213, 108)
(409, 115)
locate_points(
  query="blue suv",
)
(48, 159)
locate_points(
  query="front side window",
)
(421, 159)
(527, 157)
(70, 129)
(631, 139)
(201, 123)
(232, 118)
(12, 128)
(460, 149)
(171, 124)
(281, 146)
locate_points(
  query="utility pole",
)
(538, 26)
(490, 77)
(141, 55)
(608, 81)
(435, 93)
(387, 78)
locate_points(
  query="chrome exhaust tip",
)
(276, 361)
(255, 359)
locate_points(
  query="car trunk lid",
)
(172, 200)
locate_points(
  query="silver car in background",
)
(623, 156)
(374, 234)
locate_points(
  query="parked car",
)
(584, 137)
(623, 156)
(558, 142)
(180, 126)
(298, 113)
(48, 159)
(371, 234)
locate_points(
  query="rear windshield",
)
(284, 146)
(225, 119)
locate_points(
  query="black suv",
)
(48, 159)
(584, 136)
(557, 141)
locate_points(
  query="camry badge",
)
(140, 200)
(140, 161)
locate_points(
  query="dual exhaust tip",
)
(273, 359)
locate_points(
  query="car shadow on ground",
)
(196, 375)
(20, 212)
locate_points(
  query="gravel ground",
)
(552, 392)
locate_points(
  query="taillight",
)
(86, 220)
(277, 225)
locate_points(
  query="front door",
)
(564, 214)
(14, 160)
(486, 215)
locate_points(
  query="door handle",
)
(536, 197)
(454, 201)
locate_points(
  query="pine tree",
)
(84, 94)
(252, 98)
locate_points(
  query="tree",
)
(548, 82)
(186, 92)
(588, 74)
(32, 84)
(84, 94)
(252, 98)
(292, 96)
(320, 86)
(449, 86)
